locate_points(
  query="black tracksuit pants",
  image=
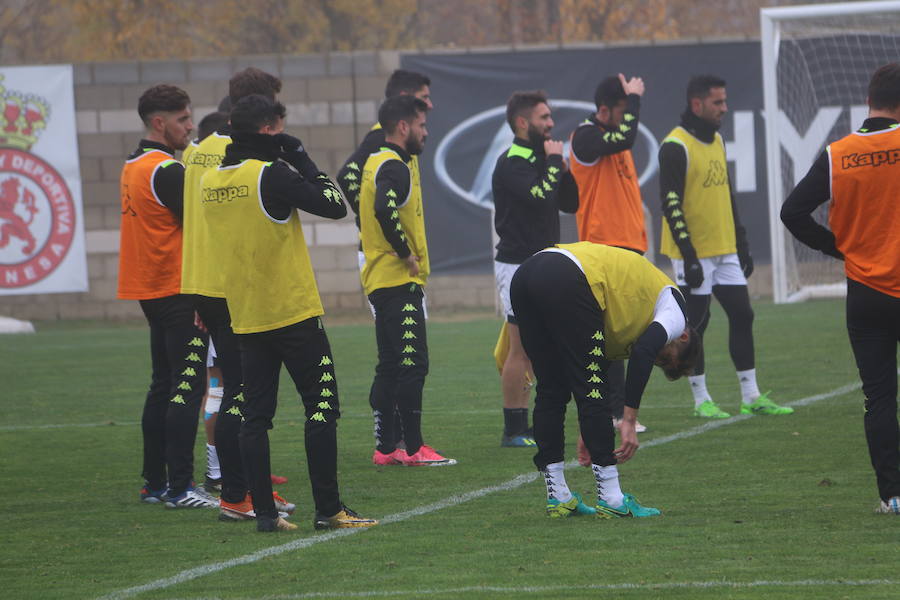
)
(402, 365)
(172, 407)
(304, 350)
(215, 316)
(562, 330)
(873, 324)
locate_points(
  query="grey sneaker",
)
(193, 498)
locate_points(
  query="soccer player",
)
(150, 272)
(202, 277)
(579, 306)
(251, 200)
(531, 184)
(212, 400)
(706, 242)
(610, 210)
(860, 174)
(400, 83)
(392, 230)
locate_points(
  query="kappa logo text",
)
(225, 194)
(871, 159)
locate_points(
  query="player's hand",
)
(693, 273)
(553, 147)
(412, 263)
(746, 262)
(198, 322)
(289, 143)
(635, 85)
(629, 442)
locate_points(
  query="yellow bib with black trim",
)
(413, 164)
(200, 270)
(266, 271)
(626, 286)
(706, 205)
(382, 268)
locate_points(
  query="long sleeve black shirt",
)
(349, 176)
(592, 142)
(812, 191)
(168, 181)
(644, 353)
(392, 186)
(282, 186)
(673, 162)
(530, 189)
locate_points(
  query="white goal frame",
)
(770, 21)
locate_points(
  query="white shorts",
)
(361, 261)
(724, 269)
(211, 355)
(503, 274)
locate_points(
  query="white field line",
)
(577, 588)
(203, 570)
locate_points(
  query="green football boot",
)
(710, 410)
(630, 508)
(573, 508)
(764, 406)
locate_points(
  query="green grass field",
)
(777, 507)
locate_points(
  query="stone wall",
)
(332, 101)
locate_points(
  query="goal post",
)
(817, 60)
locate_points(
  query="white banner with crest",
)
(41, 217)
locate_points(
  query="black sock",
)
(515, 421)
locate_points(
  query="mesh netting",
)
(823, 70)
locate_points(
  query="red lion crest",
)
(12, 225)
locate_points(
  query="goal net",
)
(817, 61)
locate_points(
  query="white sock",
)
(749, 389)
(212, 463)
(608, 488)
(555, 479)
(698, 388)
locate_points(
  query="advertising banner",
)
(41, 218)
(468, 130)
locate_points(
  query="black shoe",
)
(345, 518)
(213, 486)
(269, 524)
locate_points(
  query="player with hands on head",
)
(610, 209)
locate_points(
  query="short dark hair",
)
(700, 85)
(161, 98)
(884, 88)
(251, 113)
(210, 123)
(399, 108)
(609, 93)
(687, 356)
(521, 102)
(253, 81)
(402, 81)
(224, 105)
